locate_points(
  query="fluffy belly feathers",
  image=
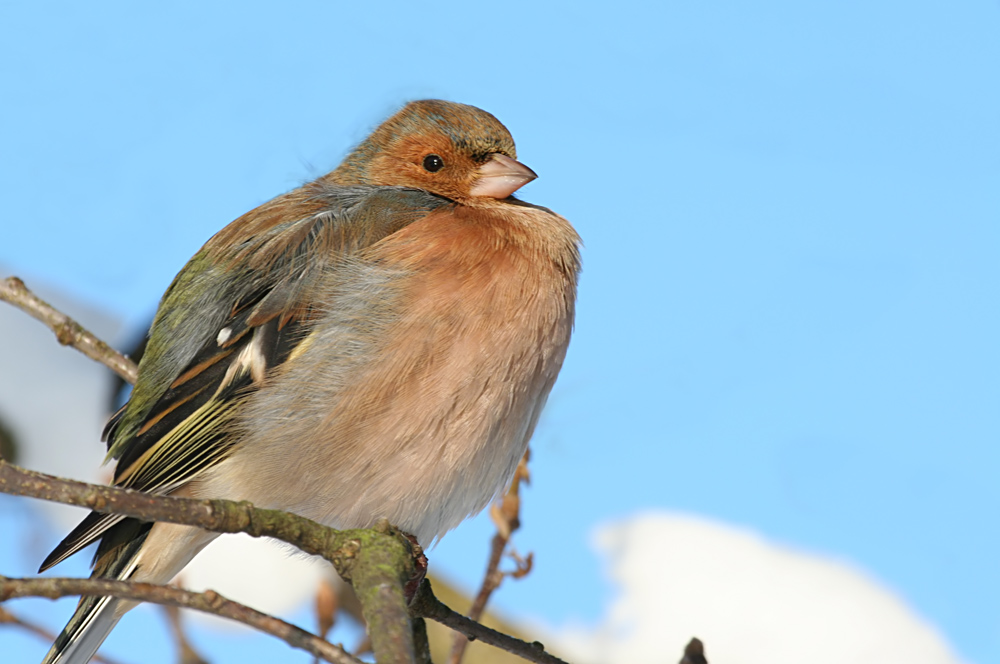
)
(463, 372)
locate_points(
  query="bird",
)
(375, 344)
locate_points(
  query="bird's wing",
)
(236, 311)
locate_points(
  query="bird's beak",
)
(501, 176)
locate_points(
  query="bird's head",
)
(452, 150)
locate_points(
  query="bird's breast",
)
(416, 394)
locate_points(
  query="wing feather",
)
(260, 273)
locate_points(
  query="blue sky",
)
(788, 317)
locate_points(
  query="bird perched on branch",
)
(376, 343)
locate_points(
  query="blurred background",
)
(777, 428)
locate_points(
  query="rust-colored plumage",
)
(377, 343)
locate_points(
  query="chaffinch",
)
(376, 343)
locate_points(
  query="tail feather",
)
(95, 617)
(130, 549)
(86, 533)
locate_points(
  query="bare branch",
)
(186, 653)
(425, 604)
(221, 516)
(67, 330)
(206, 602)
(379, 585)
(421, 644)
(378, 562)
(507, 517)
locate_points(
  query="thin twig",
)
(348, 550)
(507, 518)
(206, 602)
(221, 516)
(67, 331)
(377, 561)
(186, 653)
(421, 645)
(425, 604)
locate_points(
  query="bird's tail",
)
(95, 617)
(130, 550)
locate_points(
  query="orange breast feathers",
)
(490, 299)
(468, 365)
(444, 390)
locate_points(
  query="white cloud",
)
(749, 600)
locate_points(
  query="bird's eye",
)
(433, 163)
